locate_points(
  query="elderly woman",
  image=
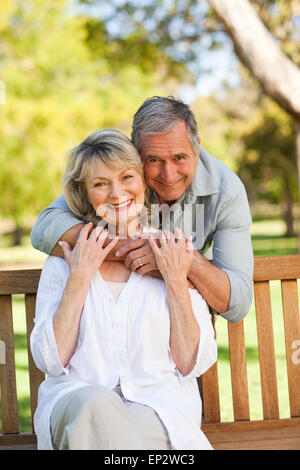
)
(121, 351)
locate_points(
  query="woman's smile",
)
(121, 205)
(117, 195)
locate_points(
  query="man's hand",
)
(139, 248)
(139, 256)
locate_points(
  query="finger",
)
(130, 245)
(162, 238)
(109, 237)
(66, 248)
(95, 233)
(142, 261)
(147, 268)
(139, 253)
(189, 245)
(102, 237)
(111, 245)
(180, 237)
(84, 232)
(170, 238)
(153, 245)
(99, 230)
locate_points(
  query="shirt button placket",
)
(121, 324)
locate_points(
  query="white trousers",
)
(96, 418)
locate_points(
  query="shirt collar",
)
(203, 183)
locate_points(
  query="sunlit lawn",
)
(268, 240)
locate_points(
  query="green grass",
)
(268, 240)
(19, 255)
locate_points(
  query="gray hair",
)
(110, 146)
(157, 115)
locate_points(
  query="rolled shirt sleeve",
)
(233, 253)
(51, 224)
(207, 348)
(42, 340)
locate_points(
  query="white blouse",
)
(127, 340)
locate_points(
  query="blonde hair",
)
(111, 147)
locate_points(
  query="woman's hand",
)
(88, 253)
(174, 259)
(175, 256)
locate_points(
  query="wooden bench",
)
(269, 433)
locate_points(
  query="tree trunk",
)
(258, 51)
(288, 209)
(256, 48)
(17, 236)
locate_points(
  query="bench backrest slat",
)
(21, 281)
(290, 304)
(238, 368)
(35, 375)
(210, 393)
(265, 337)
(9, 402)
(272, 268)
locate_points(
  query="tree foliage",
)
(256, 138)
(69, 73)
(57, 91)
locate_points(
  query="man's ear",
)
(199, 146)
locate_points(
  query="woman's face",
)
(116, 195)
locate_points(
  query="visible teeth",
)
(120, 205)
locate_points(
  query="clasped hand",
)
(139, 251)
(160, 252)
(175, 256)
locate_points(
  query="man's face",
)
(169, 162)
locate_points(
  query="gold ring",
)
(140, 262)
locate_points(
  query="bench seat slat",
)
(266, 349)
(12, 440)
(254, 435)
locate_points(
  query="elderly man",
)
(204, 197)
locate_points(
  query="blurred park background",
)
(70, 67)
